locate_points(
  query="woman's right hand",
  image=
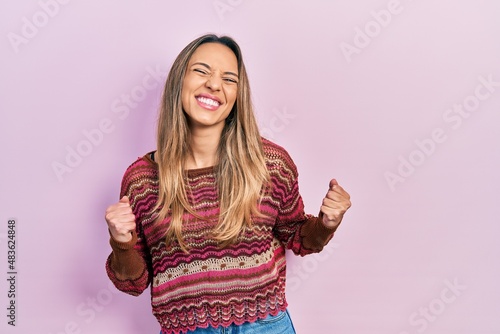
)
(121, 220)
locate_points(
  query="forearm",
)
(314, 234)
(126, 268)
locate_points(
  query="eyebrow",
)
(208, 67)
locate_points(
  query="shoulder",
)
(142, 164)
(143, 171)
(277, 158)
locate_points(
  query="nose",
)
(214, 82)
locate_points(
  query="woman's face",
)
(210, 86)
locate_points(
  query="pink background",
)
(367, 92)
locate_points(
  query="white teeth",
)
(208, 101)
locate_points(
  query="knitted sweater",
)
(212, 285)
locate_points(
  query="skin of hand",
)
(336, 202)
(120, 220)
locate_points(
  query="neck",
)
(204, 145)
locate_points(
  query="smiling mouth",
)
(207, 101)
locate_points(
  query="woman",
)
(206, 218)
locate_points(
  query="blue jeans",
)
(278, 324)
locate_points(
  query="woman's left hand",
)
(335, 204)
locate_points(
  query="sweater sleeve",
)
(128, 264)
(302, 233)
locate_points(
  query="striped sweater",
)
(212, 285)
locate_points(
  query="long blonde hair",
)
(241, 171)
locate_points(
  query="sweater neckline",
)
(190, 172)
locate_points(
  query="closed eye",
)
(201, 71)
(230, 80)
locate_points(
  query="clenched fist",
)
(121, 220)
(335, 204)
